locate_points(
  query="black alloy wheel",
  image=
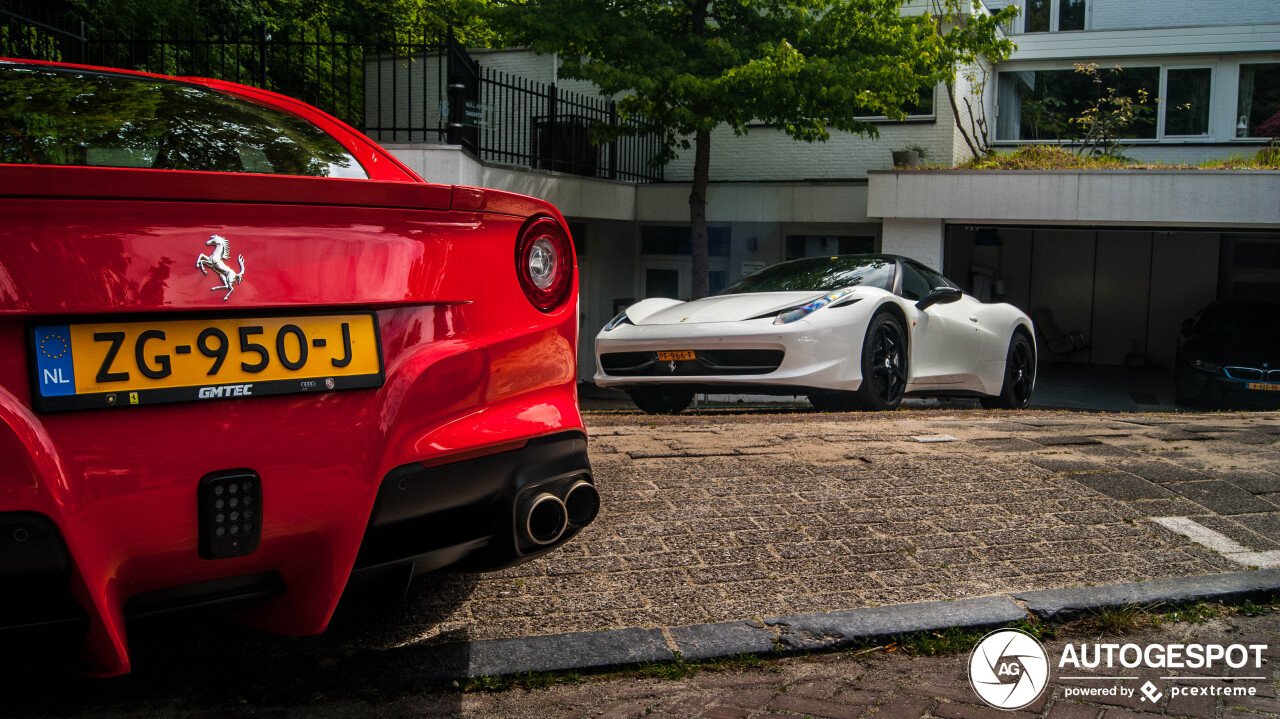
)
(1019, 376)
(884, 364)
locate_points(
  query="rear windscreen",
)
(61, 116)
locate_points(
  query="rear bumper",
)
(425, 518)
(465, 513)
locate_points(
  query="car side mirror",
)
(939, 296)
(1187, 324)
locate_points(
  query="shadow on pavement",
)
(207, 664)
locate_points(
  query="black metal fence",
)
(540, 125)
(391, 90)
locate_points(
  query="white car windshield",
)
(819, 274)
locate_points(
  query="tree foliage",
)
(405, 20)
(806, 67)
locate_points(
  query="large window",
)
(1040, 104)
(1258, 107)
(1054, 15)
(1186, 102)
(828, 245)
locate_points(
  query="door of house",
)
(673, 276)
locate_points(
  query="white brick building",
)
(1124, 265)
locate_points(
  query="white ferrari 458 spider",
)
(850, 332)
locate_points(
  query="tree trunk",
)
(698, 214)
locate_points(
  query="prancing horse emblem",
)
(218, 261)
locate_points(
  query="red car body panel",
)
(469, 364)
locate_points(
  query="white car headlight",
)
(795, 313)
(619, 319)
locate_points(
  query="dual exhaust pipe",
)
(548, 516)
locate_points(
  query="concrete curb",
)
(584, 651)
(1068, 604)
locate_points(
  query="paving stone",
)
(813, 707)
(955, 692)
(974, 711)
(904, 708)
(1125, 713)
(1221, 497)
(1105, 451)
(1161, 472)
(726, 713)
(1064, 440)
(1007, 444)
(1060, 464)
(1121, 485)
(1262, 704)
(1072, 710)
(1257, 482)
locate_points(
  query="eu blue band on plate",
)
(53, 361)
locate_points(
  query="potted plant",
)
(909, 157)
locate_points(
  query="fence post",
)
(613, 144)
(263, 38)
(552, 130)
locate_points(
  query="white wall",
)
(766, 153)
(1123, 14)
(1246, 198)
(919, 239)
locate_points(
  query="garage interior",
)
(1122, 293)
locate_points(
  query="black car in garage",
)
(1229, 357)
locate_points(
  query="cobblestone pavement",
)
(892, 686)
(737, 516)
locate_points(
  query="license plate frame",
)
(370, 372)
(1265, 386)
(677, 355)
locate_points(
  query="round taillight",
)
(544, 263)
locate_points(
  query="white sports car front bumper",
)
(815, 355)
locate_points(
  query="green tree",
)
(406, 20)
(971, 40)
(688, 66)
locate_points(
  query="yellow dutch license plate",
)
(683, 355)
(122, 364)
(1265, 385)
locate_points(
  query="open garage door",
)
(1124, 291)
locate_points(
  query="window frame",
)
(1055, 16)
(1163, 105)
(1263, 59)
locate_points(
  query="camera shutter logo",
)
(1008, 669)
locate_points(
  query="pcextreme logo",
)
(1009, 669)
